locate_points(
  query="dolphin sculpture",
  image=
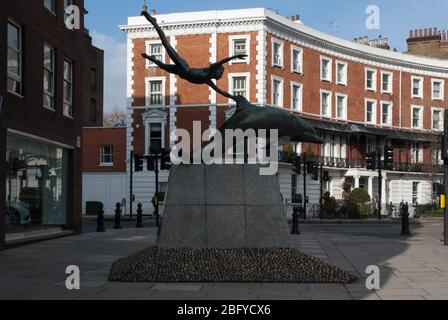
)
(290, 127)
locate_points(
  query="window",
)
(155, 92)
(296, 60)
(68, 88)
(417, 87)
(386, 82)
(438, 90)
(296, 96)
(325, 69)
(415, 192)
(93, 110)
(437, 156)
(14, 63)
(386, 113)
(437, 119)
(155, 136)
(341, 106)
(240, 45)
(277, 53)
(371, 111)
(325, 104)
(239, 86)
(277, 92)
(50, 5)
(154, 49)
(341, 76)
(334, 147)
(48, 77)
(371, 79)
(417, 117)
(106, 155)
(416, 153)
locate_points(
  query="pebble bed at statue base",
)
(273, 265)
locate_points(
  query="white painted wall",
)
(108, 188)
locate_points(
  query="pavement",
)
(411, 268)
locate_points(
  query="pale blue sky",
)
(397, 18)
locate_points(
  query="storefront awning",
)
(356, 128)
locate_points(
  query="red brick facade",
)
(193, 101)
(94, 139)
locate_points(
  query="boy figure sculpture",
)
(181, 67)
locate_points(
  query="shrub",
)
(360, 195)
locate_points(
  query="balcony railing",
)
(341, 163)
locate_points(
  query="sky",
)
(344, 18)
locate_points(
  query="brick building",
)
(428, 43)
(104, 166)
(358, 96)
(44, 85)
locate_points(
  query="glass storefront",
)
(37, 183)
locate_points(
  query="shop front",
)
(37, 186)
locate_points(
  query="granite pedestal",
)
(223, 206)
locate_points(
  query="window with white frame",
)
(438, 89)
(417, 87)
(325, 103)
(14, 63)
(386, 82)
(106, 155)
(296, 96)
(386, 113)
(296, 60)
(416, 153)
(50, 5)
(239, 86)
(155, 50)
(68, 88)
(48, 77)
(240, 45)
(335, 146)
(417, 117)
(155, 92)
(155, 136)
(436, 156)
(415, 192)
(341, 106)
(371, 144)
(437, 119)
(371, 79)
(370, 111)
(277, 92)
(277, 53)
(325, 69)
(341, 73)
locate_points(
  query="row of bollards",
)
(118, 216)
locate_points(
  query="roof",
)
(139, 23)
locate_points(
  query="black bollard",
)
(100, 219)
(118, 216)
(295, 221)
(405, 230)
(139, 216)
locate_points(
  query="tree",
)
(114, 118)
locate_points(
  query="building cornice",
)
(253, 19)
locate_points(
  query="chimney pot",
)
(444, 37)
(366, 39)
(420, 33)
(435, 32)
(411, 34)
(153, 12)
